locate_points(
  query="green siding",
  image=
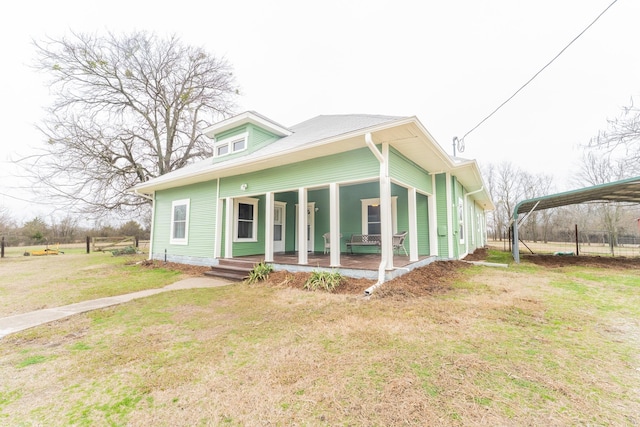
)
(407, 172)
(202, 214)
(232, 132)
(441, 208)
(402, 218)
(356, 164)
(422, 208)
(351, 210)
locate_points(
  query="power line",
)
(460, 142)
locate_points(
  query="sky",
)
(449, 63)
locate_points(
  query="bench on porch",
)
(363, 240)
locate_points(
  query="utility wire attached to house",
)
(459, 142)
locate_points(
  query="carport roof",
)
(627, 190)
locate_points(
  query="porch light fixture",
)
(244, 187)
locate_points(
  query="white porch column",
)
(386, 226)
(268, 227)
(413, 226)
(217, 249)
(433, 225)
(228, 229)
(433, 221)
(334, 224)
(302, 226)
(449, 198)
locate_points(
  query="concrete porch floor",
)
(352, 265)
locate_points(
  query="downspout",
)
(384, 214)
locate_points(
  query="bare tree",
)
(126, 109)
(65, 230)
(598, 167)
(622, 139)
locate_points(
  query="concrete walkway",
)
(20, 322)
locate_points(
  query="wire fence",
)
(589, 243)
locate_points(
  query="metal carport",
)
(627, 190)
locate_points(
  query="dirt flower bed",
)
(428, 280)
(557, 261)
(189, 270)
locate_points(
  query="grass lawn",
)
(32, 283)
(526, 345)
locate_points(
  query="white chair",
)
(327, 242)
(398, 242)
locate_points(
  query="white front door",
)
(279, 226)
(311, 216)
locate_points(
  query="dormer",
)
(245, 132)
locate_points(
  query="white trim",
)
(217, 233)
(244, 118)
(447, 186)
(179, 240)
(229, 142)
(228, 228)
(413, 224)
(432, 210)
(461, 220)
(153, 220)
(254, 220)
(268, 228)
(302, 226)
(334, 224)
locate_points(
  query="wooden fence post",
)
(2, 248)
(88, 245)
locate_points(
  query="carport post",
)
(515, 246)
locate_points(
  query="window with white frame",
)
(246, 220)
(372, 219)
(231, 145)
(179, 222)
(461, 218)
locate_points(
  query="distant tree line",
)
(66, 230)
(612, 155)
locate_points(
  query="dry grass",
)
(523, 346)
(33, 283)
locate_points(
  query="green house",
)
(377, 186)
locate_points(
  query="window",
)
(179, 222)
(246, 220)
(231, 145)
(371, 218)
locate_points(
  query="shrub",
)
(323, 280)
(259, 272)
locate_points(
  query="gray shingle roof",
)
(308, 132)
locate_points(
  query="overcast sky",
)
(450, 63)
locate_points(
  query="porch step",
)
(231, 269)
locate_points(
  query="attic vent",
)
(231, 145)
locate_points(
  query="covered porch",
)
(359, 265)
